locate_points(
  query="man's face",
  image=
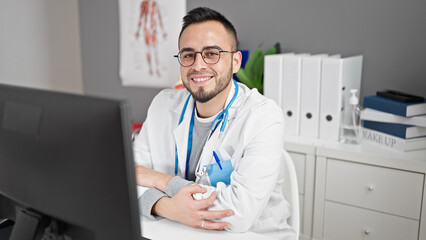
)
(204, 81)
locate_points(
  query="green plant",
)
(252, 74)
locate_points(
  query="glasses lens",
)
(186, 58)
(211, 55)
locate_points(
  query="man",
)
(211, 154)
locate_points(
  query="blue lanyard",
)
(221, 117)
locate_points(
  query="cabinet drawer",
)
(346, 222)
(299, 163)
(382, 189)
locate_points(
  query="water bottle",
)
(350, 130)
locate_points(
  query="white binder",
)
(338, 76)
(292, 66)
(272, 78)
(310, 95)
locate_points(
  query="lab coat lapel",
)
(207, 153)
(180, 135)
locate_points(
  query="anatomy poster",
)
(149, 31)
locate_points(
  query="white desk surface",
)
(167, 229)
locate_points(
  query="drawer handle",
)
(371, 187)
(367, 232)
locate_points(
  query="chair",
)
(291, 192)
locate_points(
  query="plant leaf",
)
(251, 61)
(241, 74)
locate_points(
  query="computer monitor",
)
(66, 166)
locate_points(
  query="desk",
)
(167, 229)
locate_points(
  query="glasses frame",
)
(202, 57)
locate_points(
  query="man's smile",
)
(201, 79)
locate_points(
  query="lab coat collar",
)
(238, 101)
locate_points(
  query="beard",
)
(203, 96)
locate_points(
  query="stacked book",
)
(397, 122)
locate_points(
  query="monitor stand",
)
(26, 225)
(6, 226)
(31, 225)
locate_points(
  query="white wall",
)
(40, 44)
(389, 33)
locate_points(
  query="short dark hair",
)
(203, 14)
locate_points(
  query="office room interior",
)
(73, 46)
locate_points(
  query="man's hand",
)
(185, 209)
(147, 177)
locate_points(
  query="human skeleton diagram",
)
(149, 19)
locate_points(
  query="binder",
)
(310, 95)
(338, 76)
(291, 85)
(272, 78)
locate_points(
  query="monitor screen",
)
(66, 166)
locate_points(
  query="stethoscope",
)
(222, 117)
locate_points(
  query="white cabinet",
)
(359, 191)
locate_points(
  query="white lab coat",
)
(253, 138)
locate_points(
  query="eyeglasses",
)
(210, 56)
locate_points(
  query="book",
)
(395, 107)
(396, 129)
(392, 142)
(379, 116)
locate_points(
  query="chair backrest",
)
(291, 192)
